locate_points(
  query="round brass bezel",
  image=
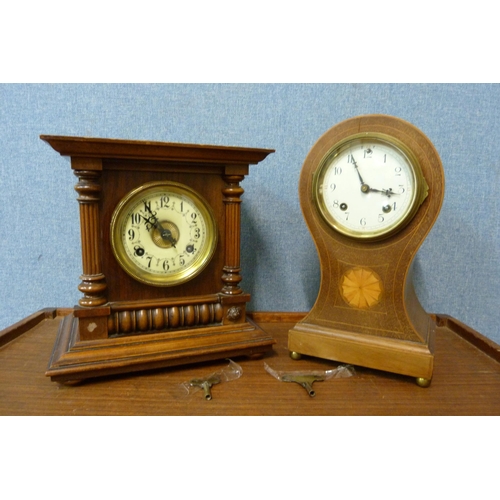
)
(419, 193)
(121, 213)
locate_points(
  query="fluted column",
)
(232, 200)
(93, 285)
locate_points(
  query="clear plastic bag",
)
(231, 372)
(306, 378)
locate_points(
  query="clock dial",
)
(368, 186)
(163, 233)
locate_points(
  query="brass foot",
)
(423, 382)
(295, 355)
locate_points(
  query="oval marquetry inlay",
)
(361, 287)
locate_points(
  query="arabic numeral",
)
(136, 218)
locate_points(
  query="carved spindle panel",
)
(164, 318)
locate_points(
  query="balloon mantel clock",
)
(370, 190)
(160, 236)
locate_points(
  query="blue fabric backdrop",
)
(456, 269)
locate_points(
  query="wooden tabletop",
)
(466, 380)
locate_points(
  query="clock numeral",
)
(164, 202)
(368, 153)
(165, 265)
(381, 218)
(397, 170)
(333, 186)
(131, 234)
(362, 221)
(401, 189)
(136, 218)
(337, 171)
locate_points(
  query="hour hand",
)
(166, 234)
(388, 192)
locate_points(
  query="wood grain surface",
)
(466, 381)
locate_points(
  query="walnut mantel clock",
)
(370, 189)
(160, 235)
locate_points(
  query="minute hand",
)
(357, 171)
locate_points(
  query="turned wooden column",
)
(232, 200)
(93, 285)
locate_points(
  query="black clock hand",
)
(166, 234)
(365, 188)
(357, 171)
(388, 192)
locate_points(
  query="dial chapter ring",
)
(364, 189)
(132, 263)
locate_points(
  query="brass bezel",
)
(419, 194)
(121, 213)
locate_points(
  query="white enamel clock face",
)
(367, 187)
(163, 233)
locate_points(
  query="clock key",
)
(306, 381)
(206, 384)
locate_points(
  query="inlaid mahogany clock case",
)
(393, 333)
(123, 325)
